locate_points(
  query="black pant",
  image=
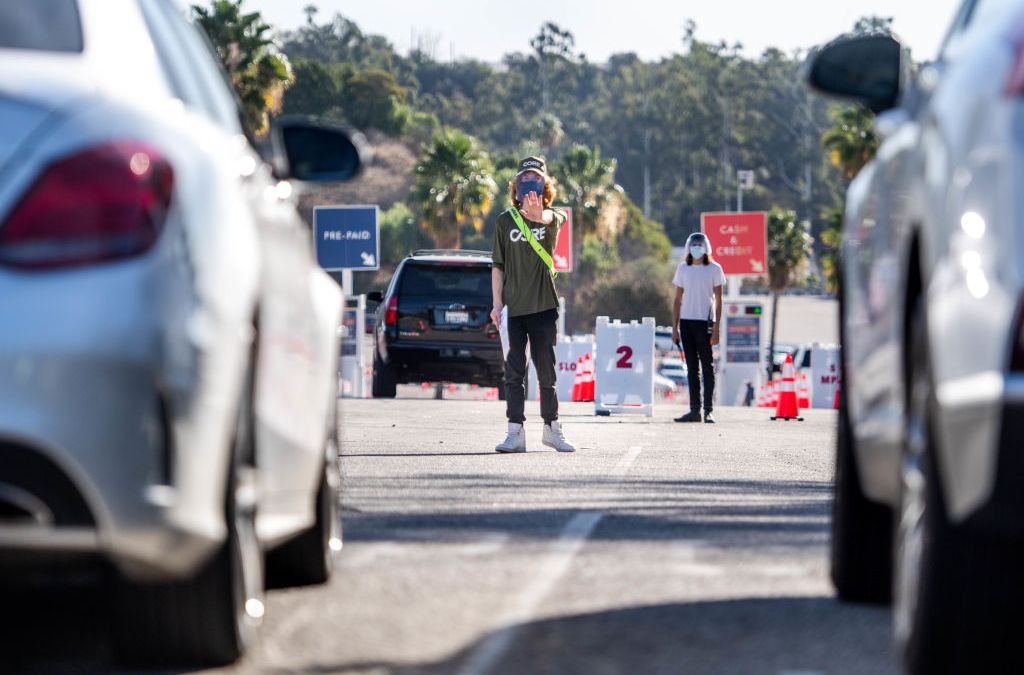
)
(700, 363)
(541, 329)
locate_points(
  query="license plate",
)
(459, 318)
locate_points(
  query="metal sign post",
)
(348, 239)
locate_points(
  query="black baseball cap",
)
(533, 163)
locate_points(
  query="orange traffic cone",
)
(587, 388)
(804, 395)
(788, 407)
(577, 382)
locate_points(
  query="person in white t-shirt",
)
(695, 313)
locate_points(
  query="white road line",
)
(624, 464)
(492, 650)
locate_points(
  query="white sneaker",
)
(515, 441)
(555, 438)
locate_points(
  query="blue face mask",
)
(697, 251)
(527, 185)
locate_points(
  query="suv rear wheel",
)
(384, 385)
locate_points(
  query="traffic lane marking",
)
(573, 536)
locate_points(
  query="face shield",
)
(697, 245)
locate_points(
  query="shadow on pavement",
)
(756, 636)
(728, 512)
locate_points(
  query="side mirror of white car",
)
(867, 69)
(309, 149)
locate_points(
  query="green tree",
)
(788, 249)
(399, 235)
(851, 141)
(374, 100)
(587, 183)
(258, 72)
(453, 187)
(628, 292)
(316, 90)
(552, 45)
(830, 238)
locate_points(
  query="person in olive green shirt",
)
(522, 282)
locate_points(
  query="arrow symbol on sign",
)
(369, 259)
(756, 265)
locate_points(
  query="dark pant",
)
(541, 329)
(700, 363)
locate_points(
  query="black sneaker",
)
(708, 418)
(692, 416)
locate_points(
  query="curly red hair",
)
(550, 190)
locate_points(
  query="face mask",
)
(697, 251)
(533, 185)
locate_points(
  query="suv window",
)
(46, 25)
(430, 280)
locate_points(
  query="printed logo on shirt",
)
(517, 235)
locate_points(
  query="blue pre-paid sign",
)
(347, 237)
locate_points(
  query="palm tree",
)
(550, 131)
(258, 72)
(453, 187)
(587, 184)
(851, 141)
(830, 238)
(788, 249)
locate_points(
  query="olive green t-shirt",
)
(529, 287)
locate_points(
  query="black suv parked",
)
(433, 324)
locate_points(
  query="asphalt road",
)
(657, 548)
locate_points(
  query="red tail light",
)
(100, 204)
(391, 313)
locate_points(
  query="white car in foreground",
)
(930, 457)
(168, 349)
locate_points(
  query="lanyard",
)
(528, 233)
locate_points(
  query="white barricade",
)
(825, 375)
(352, 365)
(567, 353)
(624, 364)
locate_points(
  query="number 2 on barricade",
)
(624, 360)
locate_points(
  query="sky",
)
(486, 30)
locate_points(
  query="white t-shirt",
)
(698, 283)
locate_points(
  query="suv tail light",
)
(100, 204)
(391, 313)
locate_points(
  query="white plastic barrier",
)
(624, 364)
(825, 375)
(567, 353)
(353, 348)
